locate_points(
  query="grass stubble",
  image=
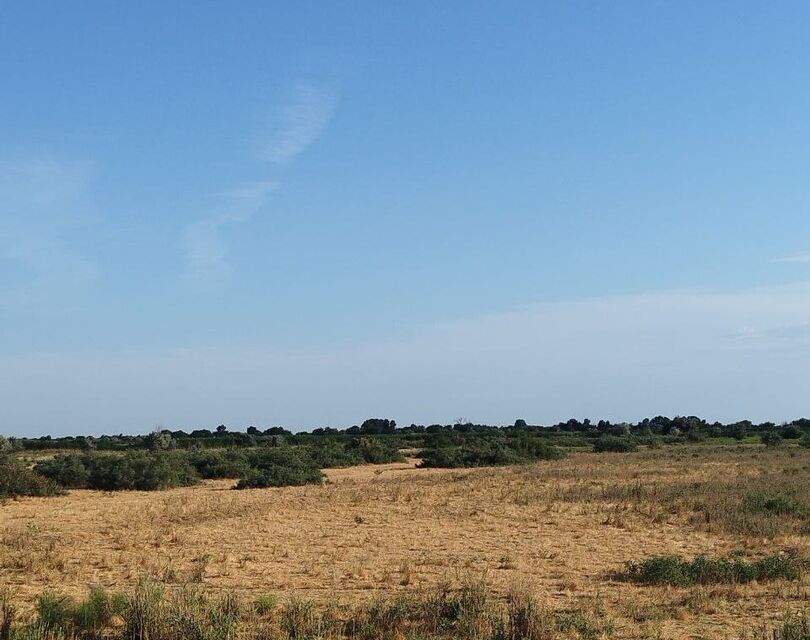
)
(379, 549)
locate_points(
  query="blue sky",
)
(266, 213)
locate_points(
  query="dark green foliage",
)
(330, 455)
(614, 444)
(17, 480)
(675, 571)
(230, 463)
(68, 470)
(771, 439)
(378, 425)
(375, 450)
(279, 476)
(256, 467)
(480, 453)
(140, 471)
(805, 441)
(135, 470)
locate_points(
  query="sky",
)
(307, 214)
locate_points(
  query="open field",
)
(560, 529)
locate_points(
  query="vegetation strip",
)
(675, 571)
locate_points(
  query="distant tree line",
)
(691, 428)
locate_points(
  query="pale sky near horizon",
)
(306, 215)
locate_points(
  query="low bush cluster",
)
(771, 439)
(675, 571)
(18, 480)
(484, 453)
(278, 476)
(134, 470)
(615, 444)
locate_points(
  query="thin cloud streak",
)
(803, 258)
(205, 251)
(301, 121)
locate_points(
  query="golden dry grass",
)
(561, 528)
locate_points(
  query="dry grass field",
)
(560, 529)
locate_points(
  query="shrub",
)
(278, 476)
(135, 470)
(330, 455)
(17, 480)
(140, 471)
(805, 441)
(68, 470)
(159, 441)
(486, 453)
(675, 571)
(219, 464)
(771, 439)
(614, 444)
(375, 450)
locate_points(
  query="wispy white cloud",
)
(301, 121)
(44, 202)
(205, 251)
(802, 258)
(298, 124)
(727, 355)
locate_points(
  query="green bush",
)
(279, 476)
(487, 453)
(68, 470)
(771, 439)
(614, 444)
(675, 571)
(136, 470)
(18, 480)
(140, 471)
(231, 463)
(331, 455)
(375, 450)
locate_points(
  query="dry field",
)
(560, 529)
